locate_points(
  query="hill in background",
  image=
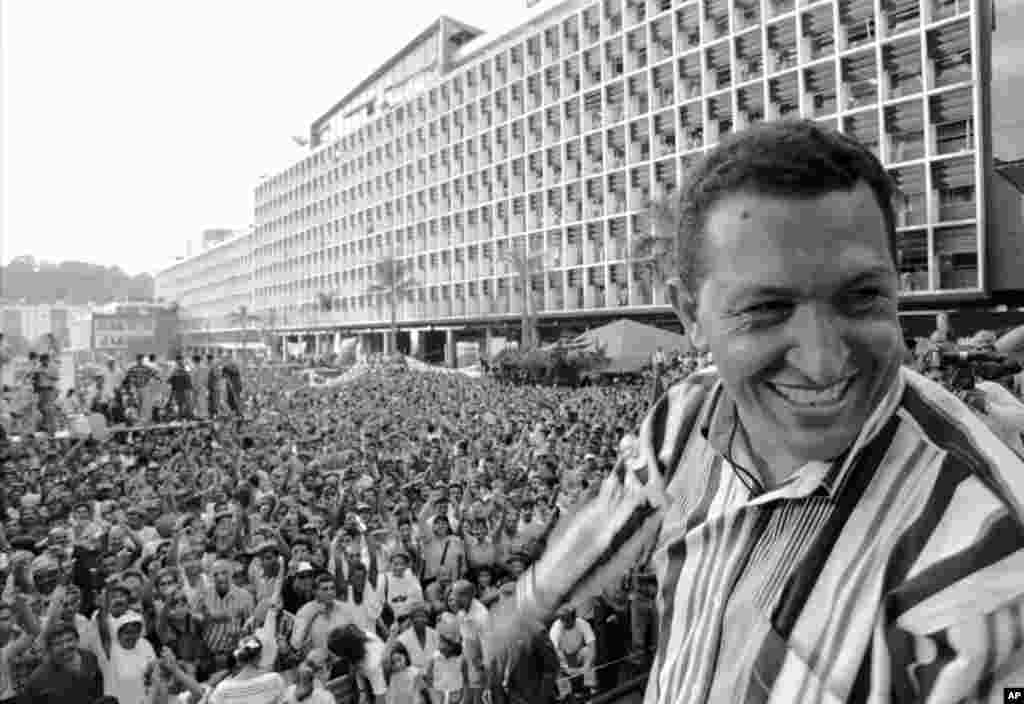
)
(74, 283)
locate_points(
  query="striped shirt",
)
(895, 573)
(236, 605)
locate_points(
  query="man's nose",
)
(819, 349)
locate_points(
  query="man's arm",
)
(954, 626)
(970, 661)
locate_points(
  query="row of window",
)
(668, 32)
(690, 127)
(953, 266)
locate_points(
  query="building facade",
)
(33, 322)
(212, 290)
(124, 330)
(214, 236)
(485, 165)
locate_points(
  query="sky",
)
(129, 127)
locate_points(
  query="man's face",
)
(62, 647)
(268, 558)
(118, 601)
(799, 313)
(301, 553)
(222, 577)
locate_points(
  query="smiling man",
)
(829, 526)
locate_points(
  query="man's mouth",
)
(814, 397)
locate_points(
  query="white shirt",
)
(569, 641)
(400, 592)
(319, 695)
(263, 689)
(124, 671)
(419, 654)
(372, 666)
(341, 614)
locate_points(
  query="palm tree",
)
(657, 250)
(268, 321)
(242, 318)
(324, 302)
(393, 281)
(525, 264)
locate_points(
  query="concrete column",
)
(485, 353)
(414, 343)
(449, 348)
(337, 342)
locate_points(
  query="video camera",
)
(963, 367)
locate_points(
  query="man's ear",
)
(685, 306)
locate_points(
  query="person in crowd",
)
(223, 609)
(399, 589)
(252, 679)
(142, 379)
(576, 647)
(232, 385)
(405, 680)
(200, 383)
(45, 380)
(419, 640)
(447, 675)
(180, 382)
(317, 618)
(127, 661)
(206, 530)
(213, 384)
(807, 469)
(68, 675)
(364, 654)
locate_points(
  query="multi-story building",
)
(212, 289)
(124, 330)
(216, 235)
(33, 322)
(464, 151)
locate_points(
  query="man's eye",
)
(865, 298)
(768, 308)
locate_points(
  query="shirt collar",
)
(719, 426)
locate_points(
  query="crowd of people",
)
(343, 543)
(339, 544)
(148, 391)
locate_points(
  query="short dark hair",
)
(348, 643)
(784, 158)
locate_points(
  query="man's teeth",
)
(813, 397)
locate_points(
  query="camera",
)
(962, 367)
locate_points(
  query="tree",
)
(268, 321)
(178, 329)
(71, 282)
(525, 264)
(657, 249)
(324, 302)
(242, 318)
(395, 283)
